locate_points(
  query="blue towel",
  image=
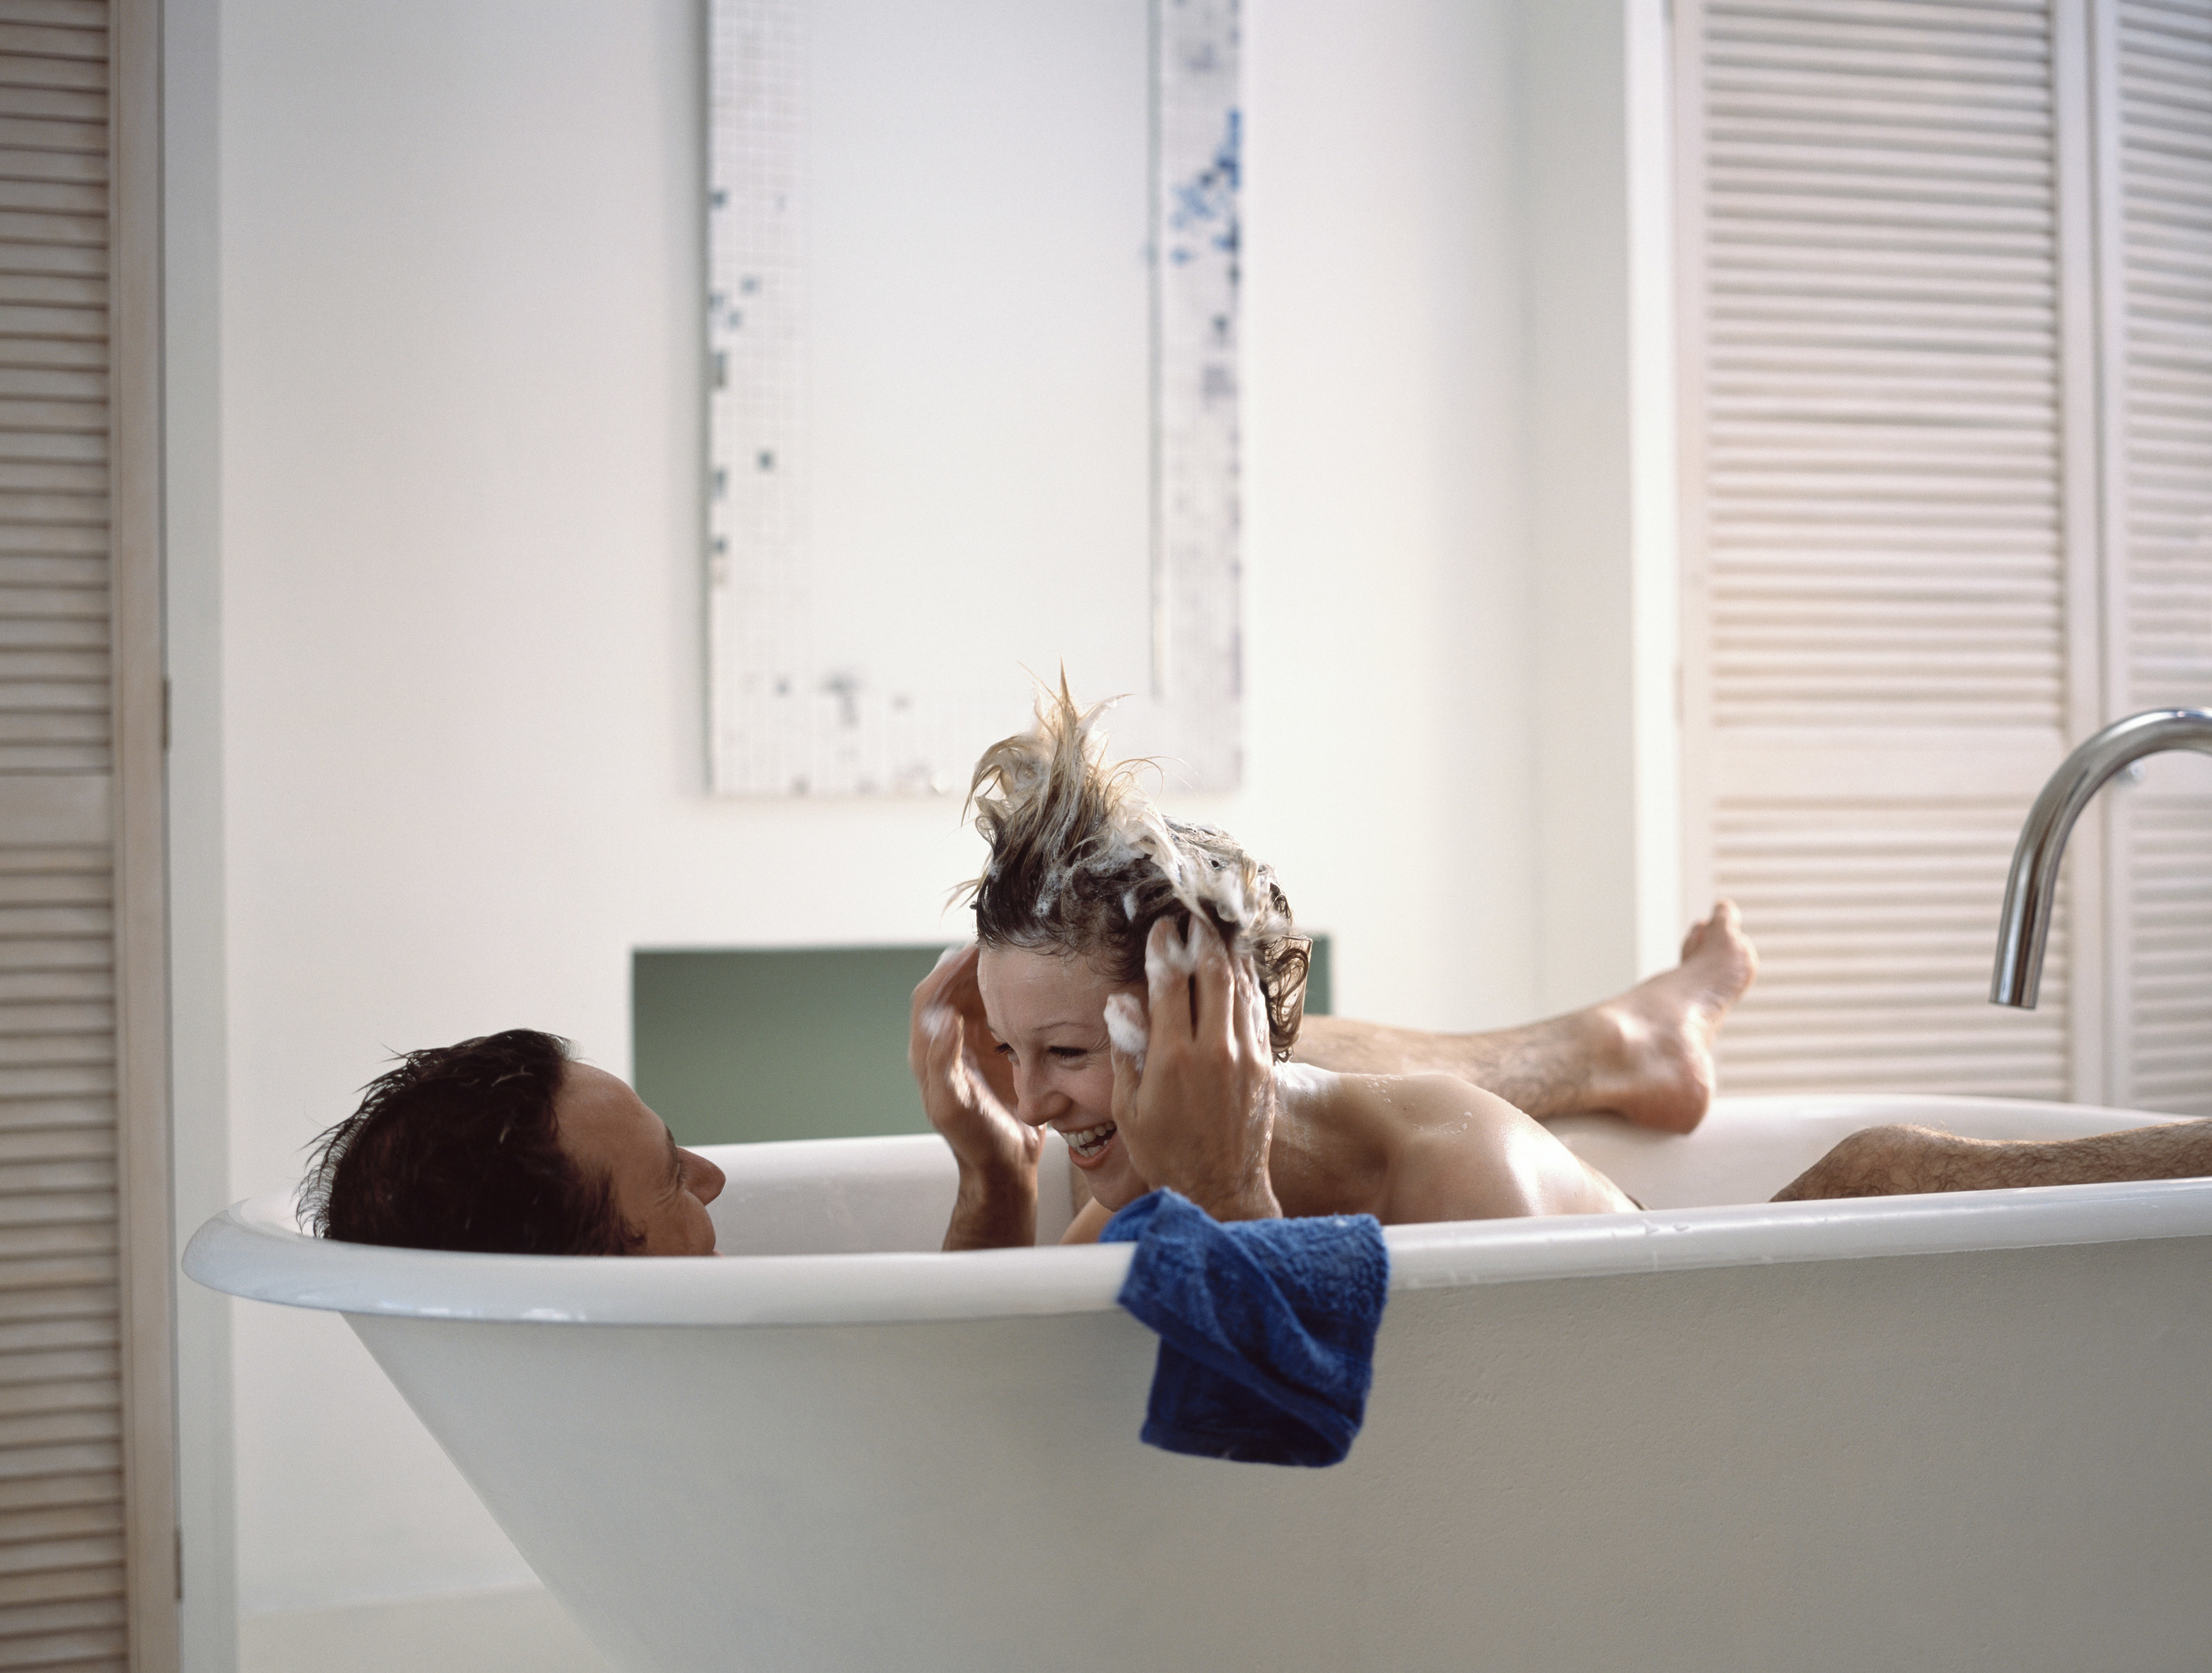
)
(1267, 1328)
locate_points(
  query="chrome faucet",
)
(2026, 921)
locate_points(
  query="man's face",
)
(659, 1190)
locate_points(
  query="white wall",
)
(206, 1468)
(1388, 601)
(438, 627)
(1574, 244)
(1597, 342)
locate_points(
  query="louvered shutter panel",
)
(2159, 94)
(62, 1567)
(1876, 559)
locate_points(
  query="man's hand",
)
(1200, 1114)
(968, 1094)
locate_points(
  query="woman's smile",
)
(1086, 1146)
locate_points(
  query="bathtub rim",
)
(252, 1251)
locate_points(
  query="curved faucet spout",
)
(2034, 881)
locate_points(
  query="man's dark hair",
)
(457, 1147)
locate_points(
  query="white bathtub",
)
(1943, 1432)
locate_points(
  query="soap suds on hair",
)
(1125, 1026)
(1173, 951)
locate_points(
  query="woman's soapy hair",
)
(1082, 863)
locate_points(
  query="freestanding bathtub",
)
(1955, 1431)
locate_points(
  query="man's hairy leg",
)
(1647, 1055)
(1905, 1161)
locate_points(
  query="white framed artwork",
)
(972, 334)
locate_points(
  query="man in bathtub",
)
(1136, 986)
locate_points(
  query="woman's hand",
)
(1200, 1114)
(968, 1094)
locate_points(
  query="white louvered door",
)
(87, 1576)
(1948, 378)
(1885, 542)
(2154, 131)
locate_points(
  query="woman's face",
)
(1048, 1011)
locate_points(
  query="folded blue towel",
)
(1267, 1328)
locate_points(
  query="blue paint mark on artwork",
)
(1207, 202)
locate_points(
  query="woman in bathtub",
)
(1137, 986)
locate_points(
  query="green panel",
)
(1319, 994)
(806, 1044)
(735, 1045)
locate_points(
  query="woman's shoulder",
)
(1335, 1140)
(1409, 1148)
(1387, 1109)
(1456, 1151)
(1420, 1103)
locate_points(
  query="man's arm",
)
(1907, 1161)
